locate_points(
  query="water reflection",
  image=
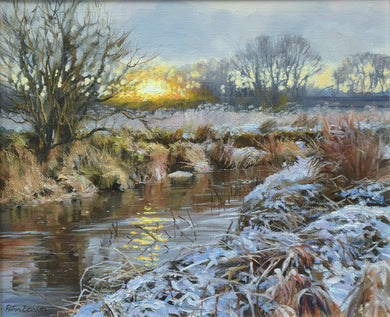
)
(45, 248)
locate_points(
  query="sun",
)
(153, 88)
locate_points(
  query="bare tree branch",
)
(56, 65)
(280, 66)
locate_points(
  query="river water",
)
(46, 248)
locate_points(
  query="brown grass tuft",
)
(187, 156)
(221, 154)
(295, 293)
(21, 177)
(350, 153)
(372, 296)
(203, 133)
(279, 151)
(303, 121)
(268, 126)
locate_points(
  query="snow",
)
(180, 175)
(287, 178)
(343, 243)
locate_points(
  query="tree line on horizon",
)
(267, 71)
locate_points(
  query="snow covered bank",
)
(295, 256)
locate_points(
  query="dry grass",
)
(279, 152)
(303, 121)
(203, 133)
(295, 293)
(166, 137)
(187, 156)
(21, 176)
(266, 276)
(294, 290)
(372, 296)
(244, 139)
(268, 126)
(349, 153)
(221, 155)
(87, 162)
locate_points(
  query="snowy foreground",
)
(295, 251)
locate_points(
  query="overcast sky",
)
(186, 31)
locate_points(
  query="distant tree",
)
(214, 74)
(363, 73)
(277, 66)
(57, 64)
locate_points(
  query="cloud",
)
(188, 31)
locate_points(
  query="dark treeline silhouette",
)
(271, 72)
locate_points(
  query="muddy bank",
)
(121, 160)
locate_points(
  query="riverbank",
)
(287, 202)
(123, 158)
(195, 140)
(298, 254)
(310, 240)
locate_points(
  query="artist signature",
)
(25, 308)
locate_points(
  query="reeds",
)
(350, 153)
(304, 122)
(279, 152)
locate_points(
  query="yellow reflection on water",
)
(148, 237)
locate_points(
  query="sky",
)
(188, 31)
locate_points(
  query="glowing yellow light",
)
(152, 88)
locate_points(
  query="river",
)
(46, 248)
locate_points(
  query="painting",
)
(195, 158)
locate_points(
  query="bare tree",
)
(363, 73)
(57, 65)
(215, 76)
(278, 66)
